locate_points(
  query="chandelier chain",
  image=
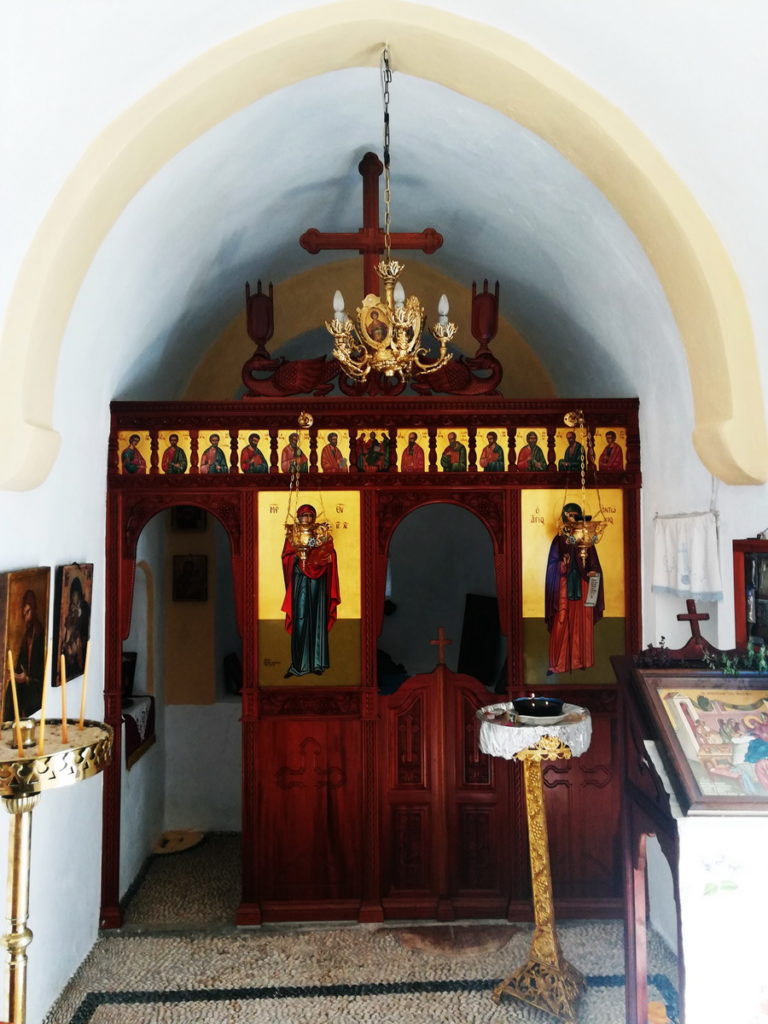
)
(385, 336)
(386, 78)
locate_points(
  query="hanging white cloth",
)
(685, 556)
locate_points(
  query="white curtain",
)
(685, 557)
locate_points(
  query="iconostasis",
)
(535, 458)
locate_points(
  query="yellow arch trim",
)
(476, 60)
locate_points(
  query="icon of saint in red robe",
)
(570, 620)
(412, 459)
(612, 457)
(312, 592)
(331, 458)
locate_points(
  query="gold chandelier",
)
(385, 334)
(577, 527)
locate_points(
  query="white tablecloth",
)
(501, 735)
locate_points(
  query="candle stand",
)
(22, 780)
(546, 981)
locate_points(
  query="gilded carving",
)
(548, 748)
(547, 981)
(24, 776)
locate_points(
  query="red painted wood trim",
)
(741, 548)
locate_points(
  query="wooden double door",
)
(373, 807)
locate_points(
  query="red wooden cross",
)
(694, 618)
(369, 239)
(441, 643)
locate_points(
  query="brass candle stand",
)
(547, 980)
(22, 780)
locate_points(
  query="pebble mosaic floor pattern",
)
(179, 961)
(347, 975)
(199, 888)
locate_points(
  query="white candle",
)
(46, 684)
(16, 721)
(63, 673)
(85, 682)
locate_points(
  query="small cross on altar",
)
(694, 618)
(441, 643)
(369, 239)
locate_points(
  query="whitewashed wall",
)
(141, 811)
(61, 522)
(722, 881)
(692, 76)
(203, 758)
(142, 802)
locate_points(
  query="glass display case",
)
(750, 583)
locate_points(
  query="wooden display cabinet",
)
(750, 591)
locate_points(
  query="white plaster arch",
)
(473, 59)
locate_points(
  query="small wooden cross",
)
(369, 239)
(694, 618)
(441, 643)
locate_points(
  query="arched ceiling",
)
(231, 206)
(119, 323)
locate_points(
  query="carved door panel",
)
(411, 802)
(485, 827)
(446, 828)
(309, 841)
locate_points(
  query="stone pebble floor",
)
(358, 955)
(178, 943)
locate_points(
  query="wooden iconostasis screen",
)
(376, 469)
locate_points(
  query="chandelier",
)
(384, 335)
(577, 527)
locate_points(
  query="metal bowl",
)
(538, 707)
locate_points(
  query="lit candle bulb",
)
(442, 310)
(399, 296)
(339, 313)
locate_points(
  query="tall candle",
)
(6, 685)
(63, 673)
(16, 720)
(46, 684)
(85, 682)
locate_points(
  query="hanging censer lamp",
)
(385, 334)
(305, 526)
(578, 526)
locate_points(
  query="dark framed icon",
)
(71, 619)
(24, 620)
(190, 578)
